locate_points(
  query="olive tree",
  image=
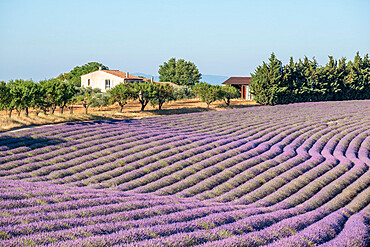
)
(161, 94)
(143, 91)
(85, 96)
(22, 94)
(67, 94)
(228, 92)
(121, 93)
(6, 98)
(207, 93)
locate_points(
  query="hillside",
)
(288, 175)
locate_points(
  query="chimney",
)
(151, 79)
(127, 74)
(100, 68)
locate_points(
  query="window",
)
(107, 84)
(88, 82)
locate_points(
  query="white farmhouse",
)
(107, 79)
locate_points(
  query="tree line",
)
(303, 81)
(65, 91)
(48, 95)
(45, 96)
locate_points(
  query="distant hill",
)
(211, 79)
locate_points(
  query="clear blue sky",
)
(41, 39)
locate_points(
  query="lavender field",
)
(289, 175)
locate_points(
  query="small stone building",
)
(241, 83)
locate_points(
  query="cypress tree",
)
(305, 80)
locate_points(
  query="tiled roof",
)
(122, 74)
(238, 81)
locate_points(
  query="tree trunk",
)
(18, 112)
(71, 109)
(10, 113)
(26, 111)
(61, 108)
(120, 107)
(143, 104)
(86, 106)
(160, 105)
(52, 109)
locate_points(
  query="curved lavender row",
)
(15, 203)
(156, 164)
(265, 149)
(356, 231)
(320, 180)
(352, 186)
(22, 207)
(324, 229)
(303, 159)
(297, 170)
(318, 232)
(309, 169)
(317, 198)
(59, 128)
(251, 146)
(364, 151)
(144, 161)
(111, 228)
(289, 227)
(254, 230)
(173, 240)
(128, 152)
(192, 153)
(86, 132)
(83, 146)
(316, 173)
(136, 218)
(113, 177)
(108, 205)
(69, 136)
(190, 161)
(278, 151)
(283, 161)
(62, 164)
(7, 143)
(69, 150)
